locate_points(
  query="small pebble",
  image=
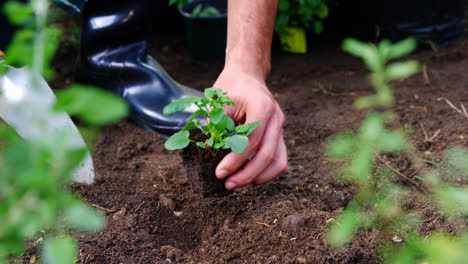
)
(177, 213)
(397, 239)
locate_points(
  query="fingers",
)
(278, 167)
(233, 161)
(263, 159)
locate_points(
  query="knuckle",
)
(282, 118)
(268, 157)
(283, 167)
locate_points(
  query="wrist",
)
(252, 61)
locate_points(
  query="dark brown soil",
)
(153, 216)
(200, 165)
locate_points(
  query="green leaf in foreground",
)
(18, 13)
(179, 140)
(344, 229)
(92, 105)
(83, 218)
(237, 143)
(60, 250)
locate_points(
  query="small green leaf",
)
(201, 145)
(242, 128)
(197, 113)
(210, 92)
(83, 218)
(189, 126)
(237, 143)
(179, 105)
(252, 127)
(216, 115)
(60, 250)
(356, 47)
(92, 105)
(229, 123)
(247, 129)
(179, 140)
(400, 70)
(18, 13)
(402, 48)
(341, 146)
(346, 227)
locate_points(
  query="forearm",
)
(250, 31)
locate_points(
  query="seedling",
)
(379, 200)
(220, 128)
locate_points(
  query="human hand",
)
(253, 102)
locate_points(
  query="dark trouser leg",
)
(114, 56)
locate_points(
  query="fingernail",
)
(230, 185)
(222, 174)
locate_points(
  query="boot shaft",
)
(110, 24)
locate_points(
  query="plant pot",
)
(294, 40)
(206, 36)
(439, 22)
(201, 165)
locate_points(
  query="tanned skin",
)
(248, 55)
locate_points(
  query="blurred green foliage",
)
(379, 200)
(301, 13)
(34, 175)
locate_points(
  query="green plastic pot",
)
(293, 40)
(206, 36)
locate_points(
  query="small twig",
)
(464, 109)
(425, 133)
(426, 76)
(462, 112)
(427, 138)
(160, 175)
(267, 225)
(104, 209)
(435, 135)
(139, 206)
(408, 179)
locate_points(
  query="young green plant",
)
(379, 200)
(220, 128)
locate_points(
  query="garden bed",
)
(153, 216)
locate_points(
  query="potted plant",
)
(294, 18)
(202, 152)
(205, 25)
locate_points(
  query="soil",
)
(200, 165)
(153, 215)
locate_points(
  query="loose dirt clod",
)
(167, 202)
(294, 223)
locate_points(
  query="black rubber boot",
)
(113, 55)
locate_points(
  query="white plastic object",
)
(26, 102)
